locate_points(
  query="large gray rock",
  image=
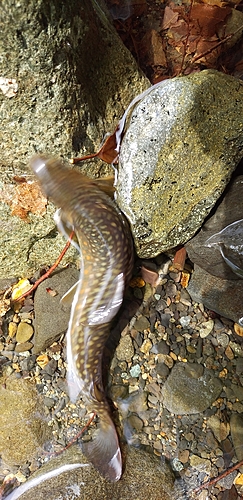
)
(182, 142)
(143, 473)
(220, 295)
(186, 393)
(75, 79)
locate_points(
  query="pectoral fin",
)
(68, 297)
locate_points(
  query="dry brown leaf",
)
(208, 17)
(170, 18)
(24, 198)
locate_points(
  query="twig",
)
(220, 476)
(196, 58)
(47, 274)
(56, 453)
(187, 37)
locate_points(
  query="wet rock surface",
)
(222, 296)
(74, 80)
(144, 472)
(175, 131)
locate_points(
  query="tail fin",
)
(104, 451)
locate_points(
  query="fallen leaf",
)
(19, 288)
(170, 18)
(42, 360)
(23, 198)
(108, 151)
(238, 330)
(185, 278)
(137, 282)
(208, 17)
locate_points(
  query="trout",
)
(106, 247)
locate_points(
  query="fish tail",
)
(103, 451)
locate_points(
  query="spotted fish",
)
(106, 247)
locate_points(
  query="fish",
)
(104, 239)
(229, 242)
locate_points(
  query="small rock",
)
(135, 422)
(220, 429)
(223, 339)
(184, 456)
(135, 371)
(125, 349)
(146, 346)
(162, 370)
(161, 348)
(49, 402)
(50, 367)
(229, 353)
(217, 294)
(12, 329)
(142, 324)
(25, 346)
(201, 464)
(185, 321)
(206, 328)
(24, 332)
(51, 318)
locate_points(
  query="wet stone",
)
(142, 323)
(25, 346)
(161, 348)
(24, 332)
(51, 367)
(135, 422)
(162, 370)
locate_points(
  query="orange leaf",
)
(108, 151)
(23, 198)
(208, 17)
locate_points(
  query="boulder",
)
(66, 79)
(70, 477)
(182, 141)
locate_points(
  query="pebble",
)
(201, 464)
(125, 349)
(12, 329)
(135, 422)
(24, 332)
(182, 393)
(135, 371)
(142, 324)
(223, 339)
(206, 328)
(25, 346)
(146, 346)
(185, 321)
